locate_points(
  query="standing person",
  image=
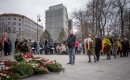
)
(98, 47)
(106, 47)
(55, 44)
(76, 46)
(119, 51)
(46, 48)
(126, 44)
(114, 48)
(1, 47)
(71, 46)
(80, 47)
(10, 47)
(35, 45)
(89, 46)
(6, 47)
(111, 44)
(16, 42)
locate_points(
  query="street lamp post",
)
(38, 20)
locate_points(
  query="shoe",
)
(69, 63)
(89, 61)
(72, 63)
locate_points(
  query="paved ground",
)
(114, 69)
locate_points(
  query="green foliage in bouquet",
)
(38, 70)
(16, 77)
(9, 76)
(13, 63)
(19, 57)
(56, 67)
(23, 69)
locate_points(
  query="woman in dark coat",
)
(6, 47)
(10, 47)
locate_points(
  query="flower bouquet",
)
(89, 44)
(106, 45)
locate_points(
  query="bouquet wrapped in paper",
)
(106, 45)
(89, 45)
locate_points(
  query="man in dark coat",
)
(126, 45)
(71, 46)
(16, 42)
(98, 47)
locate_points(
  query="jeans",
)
(72, 55)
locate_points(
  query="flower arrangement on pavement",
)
(26, 64)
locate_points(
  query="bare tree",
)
(121, 5)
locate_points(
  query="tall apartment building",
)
(56, 19)
(19, 26)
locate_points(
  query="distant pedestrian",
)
(114, 48)
(126, 44)
(35, 45)
(10, 47)
(76, 46)
(98, 47)
(55, 44)
(16, 42)
(6, 47)
(1, 48)
(71, 47)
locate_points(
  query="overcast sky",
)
(31, 8)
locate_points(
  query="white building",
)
(19, 26)
(56, 19)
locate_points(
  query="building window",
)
(9, 29)
(8, 23)
(14, 18)
(14, 23)
(19, 19)
(19, 34)
(2, 23)
(2, 18)
(19, 29)
(14, 29)
(19, 24)
(9, 18)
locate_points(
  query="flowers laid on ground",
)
(26, 64)
(106, 45)
(5, 73)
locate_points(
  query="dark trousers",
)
(97, 53)
(76, 50)
(125, 52)
(0, 53)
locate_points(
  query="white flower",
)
(7, 76)
(7, 68)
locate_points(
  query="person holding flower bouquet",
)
(89, 46)
(106, 47)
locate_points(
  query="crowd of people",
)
(93, 46)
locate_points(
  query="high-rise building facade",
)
(19, 26)
(56, 19)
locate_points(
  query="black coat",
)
(126, 44)
(71, 41)
(6, 47)
(98, 44)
